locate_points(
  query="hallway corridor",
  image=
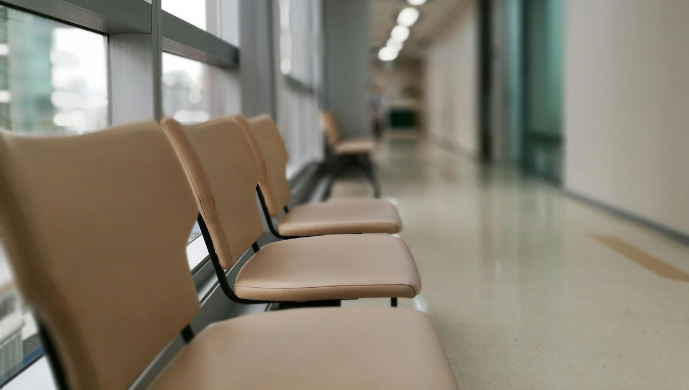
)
(532, 289)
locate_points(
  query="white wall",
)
(627, 106)
(452, 82)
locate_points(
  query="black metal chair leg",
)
(340, 165)
(367, 167)
(59, 375)
(393, 302)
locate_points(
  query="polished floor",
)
(531, 289)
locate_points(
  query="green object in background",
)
(402, 118)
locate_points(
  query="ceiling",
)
(434, 15)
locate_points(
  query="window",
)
(194, 92)
(19, 343)
(187, 86)
(218, 17)
(191, 11)
(299, 74)
(53, 80)
(53, 77)
(285, 37)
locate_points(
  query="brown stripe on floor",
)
(642, 258)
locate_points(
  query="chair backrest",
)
(219, 161)
(96, 227)
(271, 155)
(330, 127)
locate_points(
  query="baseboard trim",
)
(658, 227)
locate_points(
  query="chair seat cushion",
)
(336, 348)
(340, 217)
(355, 146)
(344, 266)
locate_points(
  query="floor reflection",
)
(521, 294)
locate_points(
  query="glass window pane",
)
(191, 11)
(19, 342)
(218, 17)
(53, 77)
(229, 21)
(53, 80)
(195, 92)
(187, 86)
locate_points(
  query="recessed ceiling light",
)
(394, 44)
(387, 54)
(416, 2)
(408, 16)
(400, 33)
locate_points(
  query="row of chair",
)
(227, 163)
(96, 228)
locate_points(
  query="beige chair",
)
(334, 217)
(96, 225)
(348, 152)
(221, 166)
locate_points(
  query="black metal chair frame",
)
(359, 160)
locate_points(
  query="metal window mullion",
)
(106, 17)
(135, 72)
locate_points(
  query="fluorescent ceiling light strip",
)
(408, 16)
(400, 33)
(387, 54)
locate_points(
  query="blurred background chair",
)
(352, 152)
